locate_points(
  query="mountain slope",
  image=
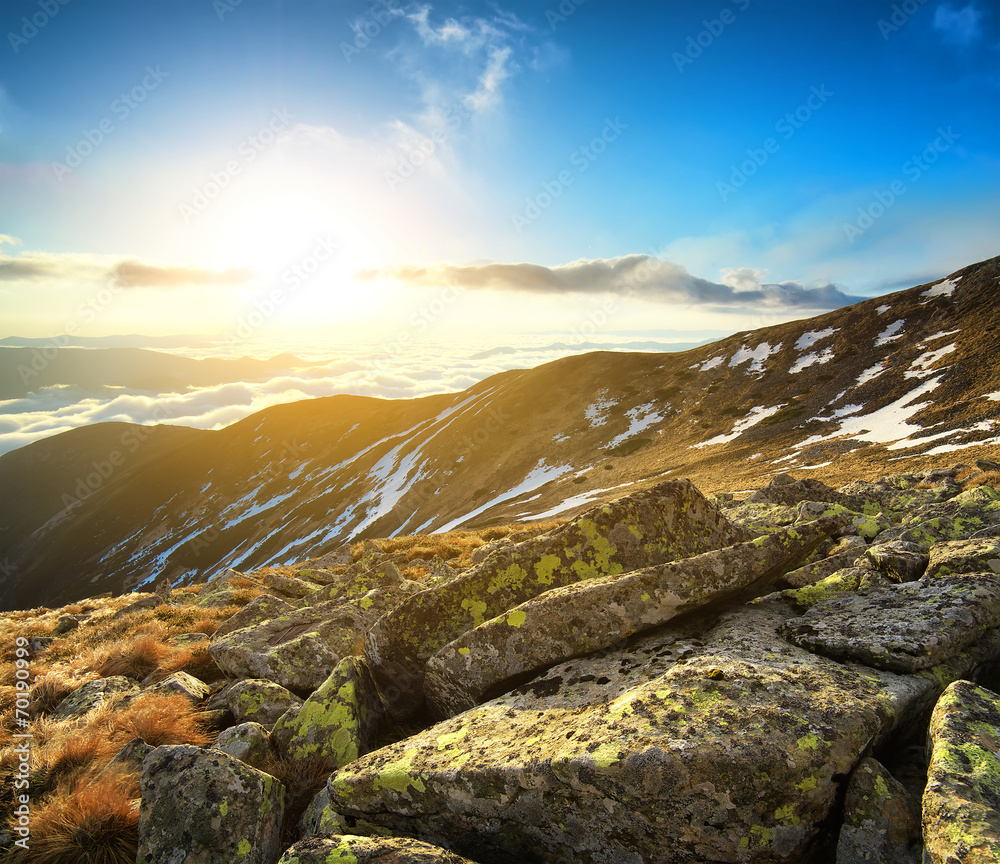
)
(901, 378)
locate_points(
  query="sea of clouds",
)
(360, 369)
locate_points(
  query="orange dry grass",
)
(49, 690)
(84, 822)
(983, 478)
(135, 659)
(157, 718)
(302, 779)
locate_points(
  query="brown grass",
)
(983, 478)
(135, 659)
(302, 779)
(157, 718)
(84, 822)
(49, 690)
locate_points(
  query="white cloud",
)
(958, 26)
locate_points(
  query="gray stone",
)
(897, 559)
(93, 695)
(964, 556)
(288, 585)
(665, 523)
(257, 611)
(299, 649)
(701, 742)
(961, 804)
(599, 613)
(902, 628)
(811, 573)
(181, 682)
(848, 579)
(254, 700)
(338, 721)
(368, 850)
(205, 807)
(867, 524)
(881, 820)
(248, 742)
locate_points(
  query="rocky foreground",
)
(800, 675)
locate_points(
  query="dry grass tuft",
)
(982, 478)
(49, 690)
(135, 659)
(157, 718)
(84, 822)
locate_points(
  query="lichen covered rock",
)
(599, 613)
(665, 523)
(338, 721)
(205, 807)
(248, 742)
(350, 849)
(881, 820)
(702, 742)
(902, 628)
(93, 695)
(964, 556)
(252, 700)
(961, 805)
(300, 649)
(897, 559)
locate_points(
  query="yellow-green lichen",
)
(244, 848)
(545, 568)
(397, 777)
(477, 609)
(516, 618)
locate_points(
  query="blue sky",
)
(702, 165)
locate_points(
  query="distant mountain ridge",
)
(894, 381)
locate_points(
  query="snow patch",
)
(640, 417)
(807, 340)
(597, 412)
(921, 367)
(891, 333)
(757, 356)
(752, 419)
(883, 309)
(870, 374)
(710, 364)
(945, 288)
(811, 359)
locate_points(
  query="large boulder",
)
(964, 556)
(786, 490)
(93, 694)
(665, 523)
(961, 806)
(902, 628)
(599, 613)
(711, 742)
(897, 559)
(338, 721)
(253, 700)
(299, 649)
(257, 611)
(205, 807)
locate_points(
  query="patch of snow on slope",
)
(883, 309)
(710, 364)
(921, 367)
(758, 356)
(870, 374)
(640, 418)
(809, 359)
(945, 288)
(810, 338)
(558, 439)
(597, 413)
(891, 333)
(391, 483)
(752, 419)
(982, 426)
(538, 476)
(994, 396)
(884, 425)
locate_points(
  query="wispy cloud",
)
(958, 26)
(642, 276)
(136, 274)
(72, 269)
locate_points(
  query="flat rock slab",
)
(961, 805)
(349, 849)
(815, 571)
(897, 559)
(299, 649)
(964, 556)
(599, 613)
(666, 523)
(93, 694)
(205, 807)
(902, 628)
(701, 742)
(257, 611)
